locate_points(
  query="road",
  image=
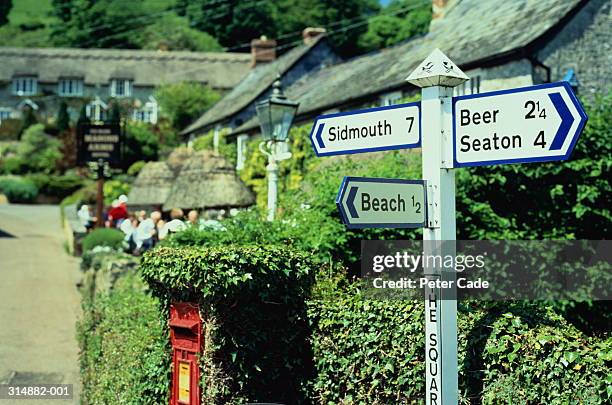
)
(39, 302)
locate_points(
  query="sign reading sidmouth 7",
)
(369, 130)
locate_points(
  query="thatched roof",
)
(208, 181)
(178, 157)
(222, 70)
(152, 185)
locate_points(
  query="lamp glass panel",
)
(265, 120)
(282, 118)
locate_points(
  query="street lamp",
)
(275, 118)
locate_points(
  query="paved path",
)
(39, 302)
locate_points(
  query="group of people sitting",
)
(142, 232)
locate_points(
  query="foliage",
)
(141, 143)
(135, 168)
(9, 128)
(372, 351)
(85, 195)
(237, 22)
(28, 119)
(252, 304)
(57, 185)
(124, 354)
(183, 102)
(38, 151)
(113, 189)
(175, 34)
(393, 26)
(18, 189)
(63, 119)
(5, 8)
(99, 24)
(115, 113)
(225, 148)
(103, 237)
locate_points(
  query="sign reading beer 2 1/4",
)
(530, 124)
(99, 141)
(373, 129)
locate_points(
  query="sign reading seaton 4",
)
(530, 124)
(373, 129)
(366, 202)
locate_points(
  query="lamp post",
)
(275, 118)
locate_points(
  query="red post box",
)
(186, 339)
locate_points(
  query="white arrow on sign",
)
(366, 202)
(373, 129)
(529, 124)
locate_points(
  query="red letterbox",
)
(186, 339)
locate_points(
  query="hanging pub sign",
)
(99, 141)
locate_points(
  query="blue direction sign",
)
(373, 129)
(366, 202)
(529, 124)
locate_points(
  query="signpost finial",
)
(437, 70)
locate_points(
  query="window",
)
(70, 87)
(472, 86)
(390, 98)
(121, 88)
(148, 113)
(5, 114)
(25, 85)
(241, 148)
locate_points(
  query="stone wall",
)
(585, 45)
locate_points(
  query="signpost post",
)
(531, 124)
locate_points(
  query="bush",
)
(183, 102)
(57, 185)
(141, 143)
(252, 305)
(135, 168)
(38, 151)
(124, 353)
(373, 352)
(18, 189)
(103, 237)
(113, 189)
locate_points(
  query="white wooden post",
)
(437, 76)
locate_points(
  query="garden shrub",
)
(18, 189)
(124, 354)
(252, 302)
(103, 237)
(136, 167)
(39, 151)
(57, 185)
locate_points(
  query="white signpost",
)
(382, 203)
(530, 124)
(373, 129)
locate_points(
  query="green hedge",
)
(124, 354)
(18, 189)
(59, 186)
(372, 352)
(252, 302)
(103, 237)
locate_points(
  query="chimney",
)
(263, 50)
(311, 33)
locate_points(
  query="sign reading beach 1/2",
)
(373, 129)
(530, 124)
(366, 202)
(99, 141)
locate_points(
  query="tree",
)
(28, 119)
(141, 143)
(175, 34)
(5, 9)
(63, 119)
(183, 102)
(115, 113)
(40, 151)
(401, 20)
(82, 116)
(98, 23)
